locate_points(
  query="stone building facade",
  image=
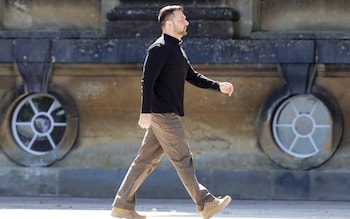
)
(70, 86)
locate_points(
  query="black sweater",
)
(165, 70)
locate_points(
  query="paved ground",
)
(83, 208)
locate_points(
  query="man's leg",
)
(148, 157)
(170, 133)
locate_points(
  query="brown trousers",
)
(166, 135)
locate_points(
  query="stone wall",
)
(98, 59)
(220, 129)
(51, 14)
(301, 15)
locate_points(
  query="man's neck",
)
(172, 35)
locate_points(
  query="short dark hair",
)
(166, 11)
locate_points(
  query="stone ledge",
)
(192, 13)
(142, 29)
(199, 50)
(240, 184)
(301, 35)
(50, 34)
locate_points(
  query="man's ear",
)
(168, 23)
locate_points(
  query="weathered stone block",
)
(301, 15)
(151, 29)
(50, 14)
(27, 181)
(291, 185)
(132, 29)
(216, 22)
(6, 52)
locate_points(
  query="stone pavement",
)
(95, 208)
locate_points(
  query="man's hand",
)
(226, 88)
(145, 120)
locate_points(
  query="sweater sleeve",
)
(200, 80)
(153, 65)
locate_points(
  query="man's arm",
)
(153, 64)
(201, 81)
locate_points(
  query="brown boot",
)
(127, 214)
(214, 207)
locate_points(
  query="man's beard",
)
(183, 32)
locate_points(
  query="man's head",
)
(173, 21)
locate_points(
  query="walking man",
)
(165, 70)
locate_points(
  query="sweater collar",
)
(170, 39)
